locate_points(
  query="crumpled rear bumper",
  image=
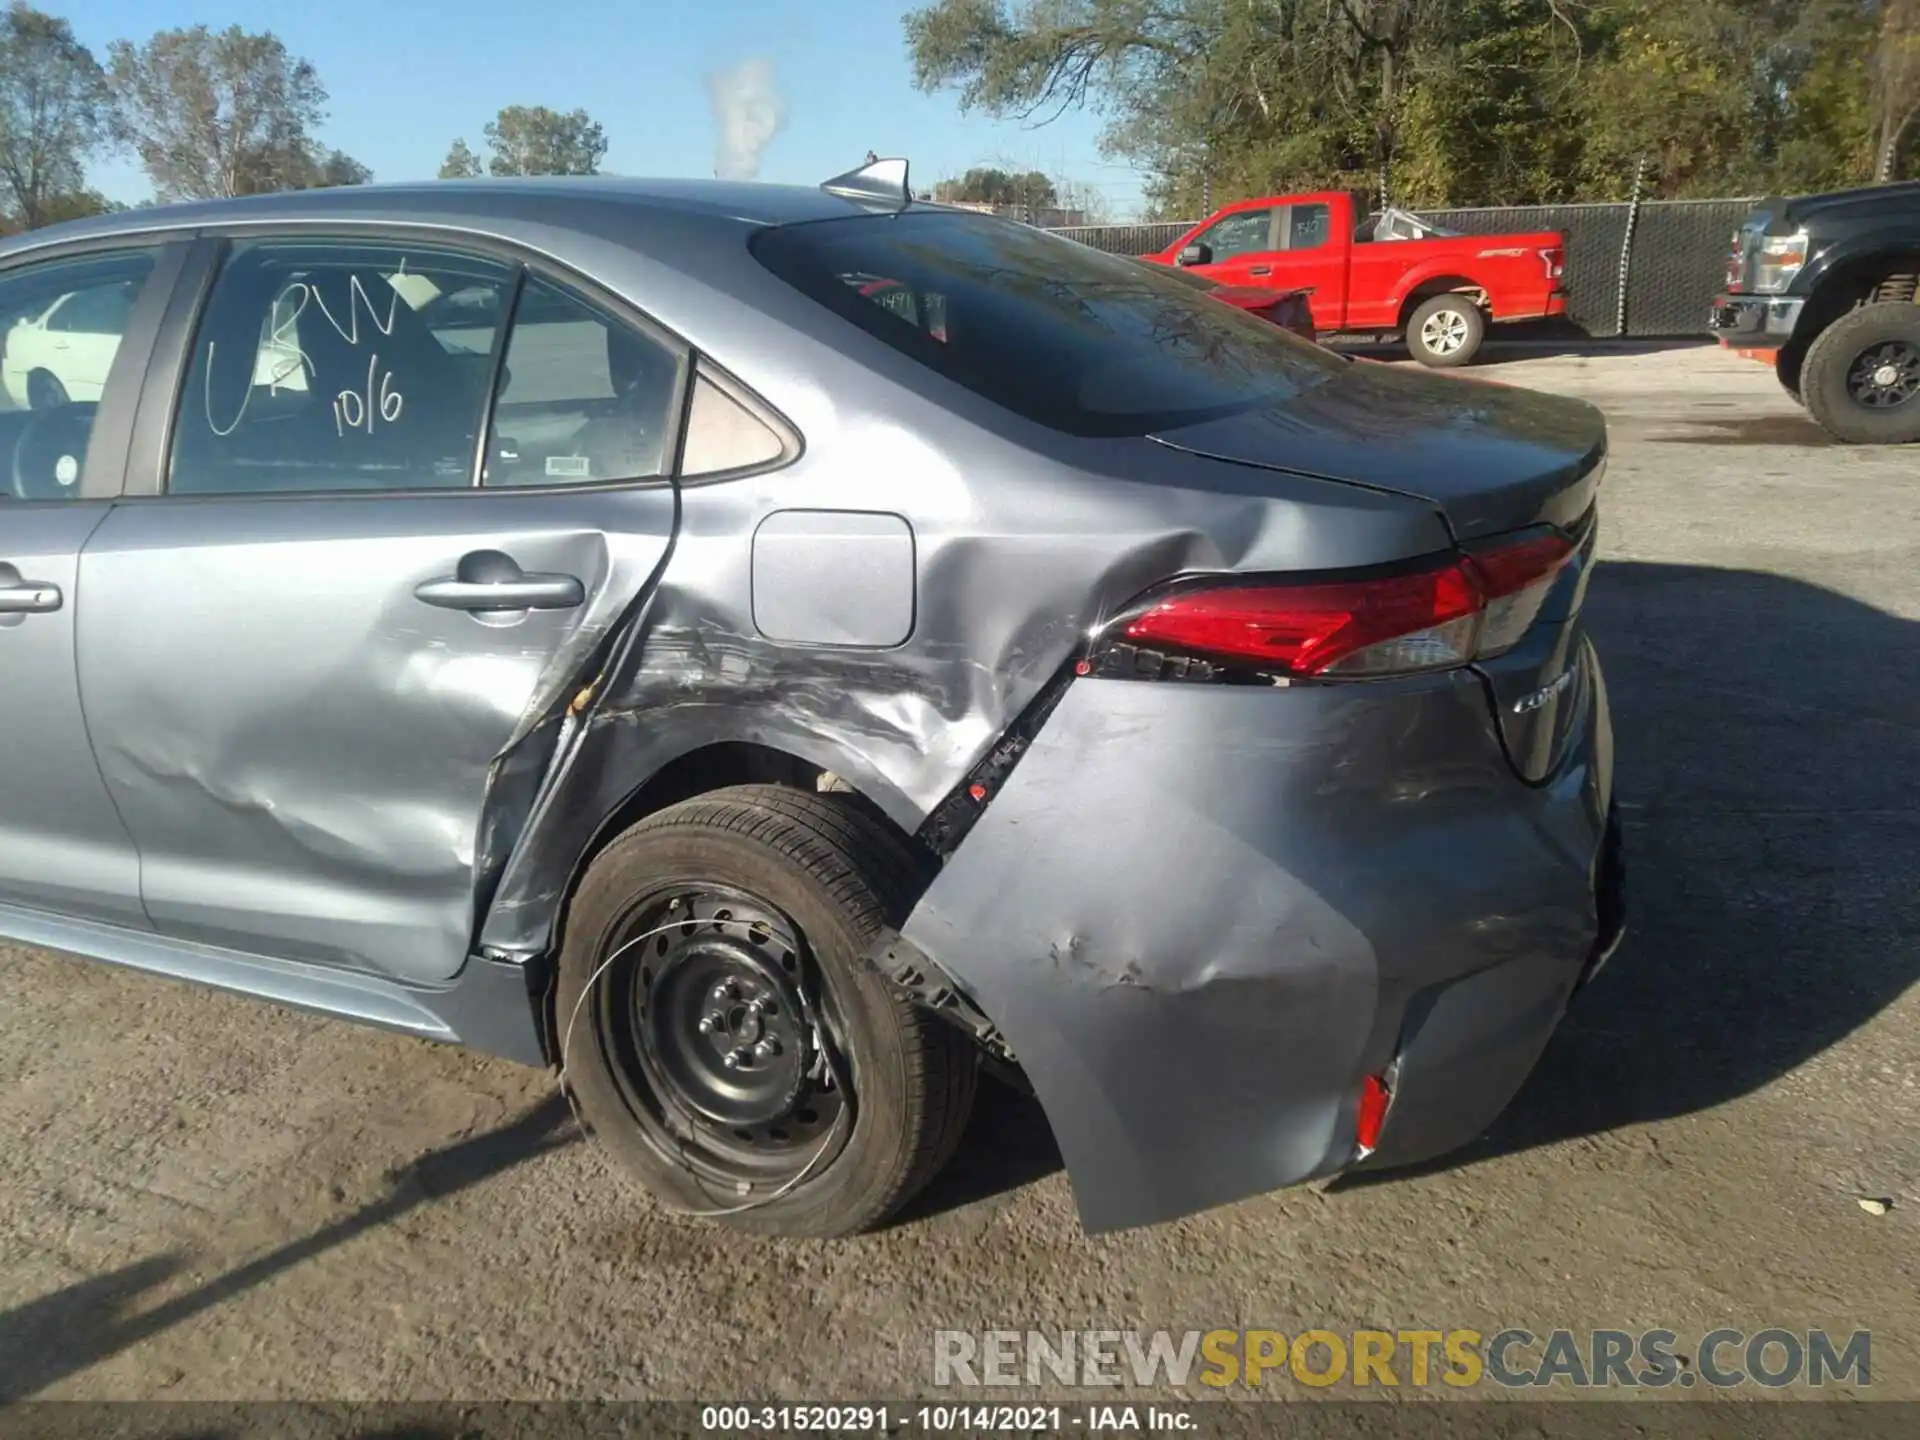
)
(1202, 915)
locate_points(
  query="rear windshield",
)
(1077, 340)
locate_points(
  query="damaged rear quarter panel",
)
(1022, 537)
(1019, 551)
(1198, 914)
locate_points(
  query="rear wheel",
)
(1861, 379)
(721, 1033)
(1447, 330)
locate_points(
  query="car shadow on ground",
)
(1008, 1145)
(45, 1340)
(1767, 750)
(1768, 755)
(1764, 431)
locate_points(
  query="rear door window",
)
(1079, 341)
(1305, 227)
(318, 366)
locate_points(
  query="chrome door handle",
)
(32, 598)
(530, 592)
(1261, 270)
(487, 580)
(21, 596)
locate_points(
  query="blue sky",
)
(407, 76)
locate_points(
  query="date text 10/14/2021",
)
(939, 1419)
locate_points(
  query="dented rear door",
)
(327, 655)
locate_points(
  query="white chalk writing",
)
(357, 298)
(286, 356)
(354, 411)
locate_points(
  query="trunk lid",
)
(1493, 460)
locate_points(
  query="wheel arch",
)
(700, 768)
(1885, 267)
(1868, 258)
(1445, 283)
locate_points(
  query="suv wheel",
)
(1861, 379)
(721, 1032)
(1446, 331)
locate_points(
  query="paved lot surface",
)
(203, 1197)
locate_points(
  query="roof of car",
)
(553, 197)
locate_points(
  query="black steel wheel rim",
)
(721, 1036)
(1886, 375)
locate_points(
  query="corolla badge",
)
(1544, 696)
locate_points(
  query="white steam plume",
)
(747, 114)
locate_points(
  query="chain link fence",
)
(1674, 267)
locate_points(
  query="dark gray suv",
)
(774, 653)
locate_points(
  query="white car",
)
(64, 352)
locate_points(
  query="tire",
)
(825, 875)
(44, 391)
(1843, 380)
(1446, 331)
(1786, 369)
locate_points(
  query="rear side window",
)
(1079, 341)
(582, 399)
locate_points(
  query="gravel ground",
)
(203, 1197)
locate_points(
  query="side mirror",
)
(1195, 254)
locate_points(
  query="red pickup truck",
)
(1394, 273)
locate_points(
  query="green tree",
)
(461, 163)
(67, 205)
(985, 185)
(1896, 86)
(1450, 101)
(335, 167)
(1730, 97)
(1231, 97)
(220, 113)
(54, 110)
(533, 140)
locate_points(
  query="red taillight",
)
(1515, 576)
(1555, 259)
(1472, 605)
(1375, 1097)
(1305, 629)
(1513, 565)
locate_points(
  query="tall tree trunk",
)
(1383, 138)
(1898, 64)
